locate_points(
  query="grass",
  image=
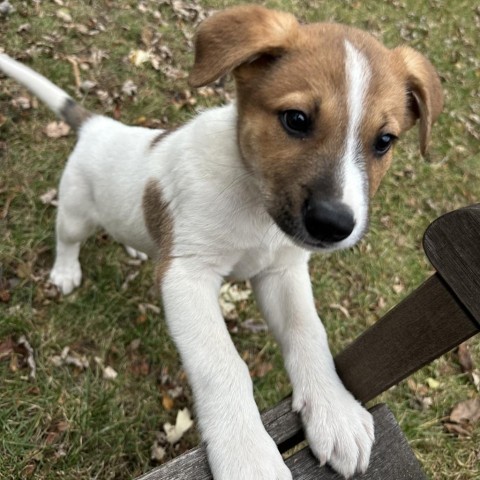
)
(72, 423)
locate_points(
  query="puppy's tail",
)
(54, 97)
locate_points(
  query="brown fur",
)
(156, 140)
(74, 115)
(160, 226)
(280, 65)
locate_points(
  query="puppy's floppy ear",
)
(238, 35)
(425, 93)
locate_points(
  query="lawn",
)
(76, 418)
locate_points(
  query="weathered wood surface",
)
(439, 315)
(391, 458)
(452, 244)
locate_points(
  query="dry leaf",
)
(467, 411)
(87, 85)
(167, 402)
(64, 15)
(22, 342)
(6, 8)
(109, 373)
(6, 348)
(182, 424)
(68, 357)
(254, 326)
(139, 57)
(433, 384)
(50, 197)
(157, 453)
(229, 295)
(23, 103)
(129, 88)
(464, 357)
(57, 129)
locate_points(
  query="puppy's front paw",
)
(66, 277)
(338, 429)
(251, 456)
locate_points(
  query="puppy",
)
(248, 190)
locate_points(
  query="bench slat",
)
(428, 323)
(391, 458)
(452, 244)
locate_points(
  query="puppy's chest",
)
(251, 262)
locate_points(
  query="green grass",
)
(70, 423)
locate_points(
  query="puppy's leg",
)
(75, 222)
(238, 446)
(339, 430)
(71, 230)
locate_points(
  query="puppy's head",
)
(320, 108)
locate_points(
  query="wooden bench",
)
(439, 315)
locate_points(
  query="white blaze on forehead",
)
(355, 182)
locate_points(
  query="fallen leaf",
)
(456, 429)
(28, 354)
(260, 369)
(64, 15)
(68, 357)
(464, 357)
(157, 453)
(87, 85)
(254, 326)
(433, 384)
(183, 423)
(109, 373)
(467, 411)
(167, 402)
(57, 130)
(129, 88)
(139, 57)
(50, 197)
(6, 348)
(230, 294)
(23, 103)
(6, 8)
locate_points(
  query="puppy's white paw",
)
(241, 456)
(338, 429)
(66, 277)
(136, 253)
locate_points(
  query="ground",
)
(79, 419)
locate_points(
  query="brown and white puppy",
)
(248, 190)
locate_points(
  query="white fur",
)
(355, 183)
(220, 228)
(44, 89)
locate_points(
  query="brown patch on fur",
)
(423, 83)
(281, 65)
(74, 115)
(235, 36)
(159, 225)
(157, 139)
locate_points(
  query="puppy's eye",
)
(295, 122)
(383, 144)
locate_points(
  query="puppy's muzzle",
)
(327, 221)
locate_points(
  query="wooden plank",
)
(428, 323)
(391, 458)
(452, 244)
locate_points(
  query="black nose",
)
(328, 221)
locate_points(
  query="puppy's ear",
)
(425, 93)
(238, 35)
